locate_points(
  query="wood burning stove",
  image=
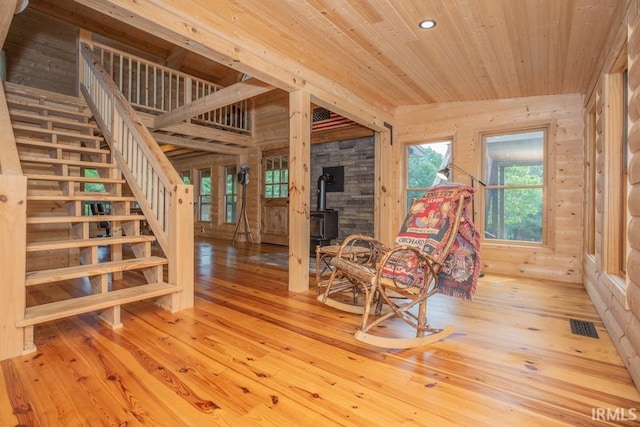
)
(324, 222)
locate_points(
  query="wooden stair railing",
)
(55, 141)
(162, 196)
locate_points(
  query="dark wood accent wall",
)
(355, 205)
(42, 52)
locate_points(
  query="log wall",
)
(616, 297)
(464, 122)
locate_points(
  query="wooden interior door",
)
(275, 196)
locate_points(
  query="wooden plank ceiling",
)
(371, 53)
(479, 49)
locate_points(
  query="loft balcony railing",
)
(156, 89)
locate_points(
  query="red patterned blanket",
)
(427, 227)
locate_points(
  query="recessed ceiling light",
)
(427, 23)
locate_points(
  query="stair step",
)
(66, 147)
(22, 115)
(93, 197)
(58, 310)
(51, 109)
(60, 133)
(56, 274)
(82, 218)
(36, 177)
(45, 98)
(85, 243)
(70, 162)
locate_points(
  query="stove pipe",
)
(323, 180)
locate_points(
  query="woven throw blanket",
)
(459, 276)
(427, 227)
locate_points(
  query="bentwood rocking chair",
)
(436, 251)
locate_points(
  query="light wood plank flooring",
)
(251, 353)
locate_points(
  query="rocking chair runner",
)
(436, 251)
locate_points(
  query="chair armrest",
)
(376, 248)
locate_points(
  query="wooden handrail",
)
(163, 197)
(9, 159)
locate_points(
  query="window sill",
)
(504, 245)
(609, 285)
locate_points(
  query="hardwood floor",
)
(251, 353)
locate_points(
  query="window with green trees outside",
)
(423, 163)
(516, 183)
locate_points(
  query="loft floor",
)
(251, 353)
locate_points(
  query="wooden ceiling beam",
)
(207, 146)
(8, 8)
(178, 152)
(175, 57)
(223, 97)
(337, 134)
(202, 132)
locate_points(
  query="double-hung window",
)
(230, 194)
(515, 196)
(204, 195)
(423, 162)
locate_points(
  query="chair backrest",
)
(439, 224)
(433, 219)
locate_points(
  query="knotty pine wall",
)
(464, 122)
(616, 298)
(216, 228)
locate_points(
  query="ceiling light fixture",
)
(427, 24)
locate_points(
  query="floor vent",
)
(580, 327)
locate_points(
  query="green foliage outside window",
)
(93, 187)
(230, 194)
(514, 198)
(276, 177)
(423, 163)
(204, 198)
(186, 177)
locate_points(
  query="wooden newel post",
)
(180, 256)
(13, 229)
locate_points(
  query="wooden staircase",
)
(67, 163)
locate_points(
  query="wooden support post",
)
(299, 191)
(84, 36)
(385, 228)
(13, 229)
(7, 9)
